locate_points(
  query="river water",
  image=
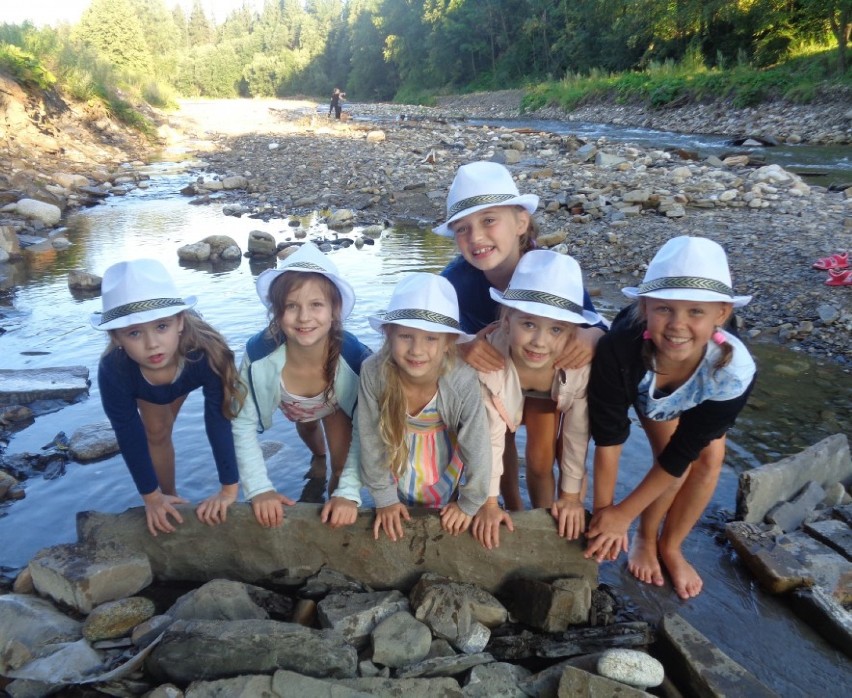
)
(797, 402)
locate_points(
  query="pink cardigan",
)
(504, 404)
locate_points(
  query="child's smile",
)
(307, 315)
(680, 329)
(490, 239)
(535, 341)
(418, 353)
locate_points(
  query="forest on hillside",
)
(386, 49)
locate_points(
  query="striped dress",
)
(434, 467)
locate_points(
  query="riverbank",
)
(611, 206)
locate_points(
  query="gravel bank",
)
(610, 206)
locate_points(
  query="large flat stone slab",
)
(242, 550)
(762, 488)
(696, 662)
(24, 386)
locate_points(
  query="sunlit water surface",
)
(797, 403)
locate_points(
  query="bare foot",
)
(642, 561)
(685, 578)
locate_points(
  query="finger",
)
(377, 526)
(151, 527)
(325, 513)
(286, 500)
(405, 515)
(495, 535)
(174, 512)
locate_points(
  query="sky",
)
(51, 12)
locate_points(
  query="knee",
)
(159, 432)
(706, 467)
(540, 457)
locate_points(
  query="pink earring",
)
(646, 335)
(719, 337)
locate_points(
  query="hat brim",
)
(377, 322)
(526, 201)
(588, 317)
(142, 317)
(687, 294)
(266, 278)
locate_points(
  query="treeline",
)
(408, 49)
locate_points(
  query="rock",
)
(222, 599)
(27, 624)
(496, 680)
(632, 667)
(355, 616)
(117, 618)
(606, 160)
(576, 682)
(834, 534)
(194, 252)
(788, 516)
(70, 181)
(235, 182)
(222, 247)
(400, 640)
(376, 136)
(693, 661)
(7, 482)
(148, 630)
(69, 662)
(83, 576)
(83, 280)
(550, 607)
(342, 218)
(261, 244)
(444, 666)
(207, 650)
(240, 550)
(48, 214)
(762, 488)
(25, 386)
(93, 441)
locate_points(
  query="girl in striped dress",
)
(421, 423)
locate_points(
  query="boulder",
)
(84, 576)
(261, 244)
(194, 252)
(93, 442)
(48, 214)
(24, 386)
(27, 624)
(83, 280)
(117, 618)
(240, 549)
(635, 668)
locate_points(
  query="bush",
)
(25, 68)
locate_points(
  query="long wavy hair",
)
(198, 337)
(527, 241)
(638, 316)
(280, 290)
(393, 405)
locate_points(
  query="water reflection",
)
(797, 402)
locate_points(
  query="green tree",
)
(111, 28)
(162, 36)
(198, 29)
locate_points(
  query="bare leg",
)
(158, 421)
(338, 433)
(311, 434)
(643, 557)
(510, 486)
(688, 506)
(542, 422)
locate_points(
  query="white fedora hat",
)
(308, 258)
(688, 269)
(137, 291)
(550, 285)
(425, 302)
(480, 185)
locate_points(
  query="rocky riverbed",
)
(609, 205)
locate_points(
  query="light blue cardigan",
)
(260, 371)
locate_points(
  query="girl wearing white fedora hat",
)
(303, 364)
(542, 309)
(159, 352)
(668, 356)
(493, 227)
(421, 424)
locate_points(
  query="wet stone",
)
(117, 618)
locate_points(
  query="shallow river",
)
(797, 403)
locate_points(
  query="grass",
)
(671, 83)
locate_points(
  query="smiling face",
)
(153, 345)
(307, 311)
(418, 354)
(536, 341)
(490, 239)
(680, 330)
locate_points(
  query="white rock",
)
(39, 210)
(631, 667)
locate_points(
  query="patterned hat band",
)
(513, 294)
(480, 200)
(689, 282)
(310, 266)
(420, 314)
(139, 307)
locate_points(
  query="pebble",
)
(631, 667)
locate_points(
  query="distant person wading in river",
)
(336, 105)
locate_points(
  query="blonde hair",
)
(527, 241)
(393, 406)
(198, 336)
(637, 315)
(281, 289)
